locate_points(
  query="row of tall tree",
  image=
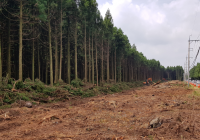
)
(68, 39)
(175, 73)
(195, 72)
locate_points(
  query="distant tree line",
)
(195, 72)
(68, 39)
(175, 73)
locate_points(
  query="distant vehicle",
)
(149, 80)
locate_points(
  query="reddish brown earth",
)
(118, 116)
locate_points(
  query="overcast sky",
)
(159, 28)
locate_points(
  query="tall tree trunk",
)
(46, 77)
(115, 67)
(20, 42)
(56, 57)
(136, 74)
(108, 63)
(76, 76)
(50, 52)
(96, 61)
(9, 51)
(65, 63)
(132, 70)
(33, 57)
(68, 57)
(85, 54)
(60, 73)
(120, 71)
(39, 63)
(125, 71)
(102, 62)
(112, 66)
(89, 61)
(92, 61)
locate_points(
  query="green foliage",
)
(9, 86)
(77, 92)
(195, 72)
(68, 87)
(11, 81)
(88, 93)
(19, 85)
(115, 88)
(77, 83)
(196, 93)
(23, 96)
(5, 106)
(49, 91)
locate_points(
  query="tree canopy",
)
(56, 40)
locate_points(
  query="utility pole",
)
(186, 70)
(188, 60)
(189, 57)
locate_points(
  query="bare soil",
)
(124, 115)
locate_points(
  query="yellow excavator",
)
(148, 81)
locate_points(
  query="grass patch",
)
(196, 94)
(37, 91)
(5, 106)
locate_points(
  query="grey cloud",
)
(160, 29)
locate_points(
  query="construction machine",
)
(148, 81)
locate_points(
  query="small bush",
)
(77, 92)
(77, 83)
(24, 97)
(68, 87)
(9, 86)
(88, 93)
(38, 88)
(115, 88)
(11, 81)
(19, 85)
(49, 91)
(105, 89)
(9, 97)
(27, 80)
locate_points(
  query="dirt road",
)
(125, 115)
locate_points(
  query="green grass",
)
(151, 137)
(5, 106)
(196, 93)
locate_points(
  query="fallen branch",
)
(156, 83)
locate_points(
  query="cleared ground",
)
(118, 116)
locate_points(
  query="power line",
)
(195, 59)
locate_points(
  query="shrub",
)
(27, 80)
(9, 86)
(11, 81)
(38, 88)
(68, 87)
(77, 83)
(114, 88)
(19, 85)
(49, 91)
(9, 97)
(88, 93)
(77, 92)
(24, 97)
